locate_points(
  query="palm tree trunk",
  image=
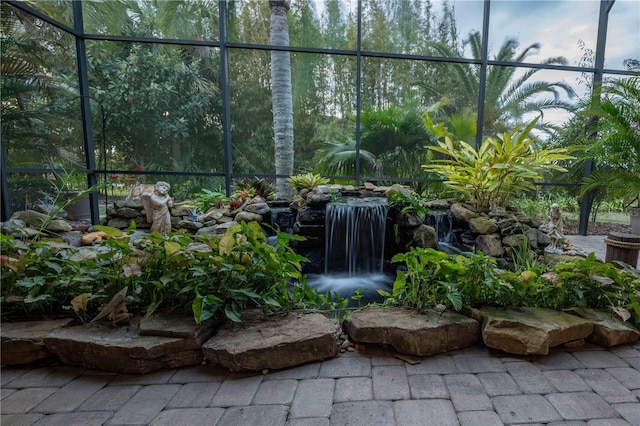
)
(281, 96)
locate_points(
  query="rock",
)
(607, 331)
(23, 342)
(119, 223)
(513, 240)
(410, 220)
(247, 217)
(31, 218)
(437, 204)
(188, 224)
(222, 228)
(532, 237)
(225, 219)
(462, 213)
(413, 333)
(423, 236)
(498, 212)
(506, 222)
(59, 225)
(490, 245)
(309, 230)
(128, 212)
(311, 216)
(207, 230)
(482, 225)
(73, 238)
(180, 211)
(515, 228)
(524, 219)
(543, 238)
(530, 331)
(369, 186)
(174, 325)
(396, 188)
(215, 214)
(132, 204)
(274, 341)
(122, 350)
(12, 227)
(552, 259)
(319, 196)
(258, 208)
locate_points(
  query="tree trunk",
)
(282, 102)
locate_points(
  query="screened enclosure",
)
(202, 93)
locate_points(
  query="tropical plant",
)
(406, 200)
(262, 187)
(616, 147)
(207, 199)
(339, 159)
(435, 278)
(502, 167)
(307, 181)
(507, 98)
(209, 276)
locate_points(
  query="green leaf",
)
(232, 314)
(399, 284)
(109, 230)
(227, 242)
(456, 299)
(171, 248)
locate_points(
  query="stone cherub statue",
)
(116, 309)
(157, 207)
(555, 228)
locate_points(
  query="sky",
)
(558, 26)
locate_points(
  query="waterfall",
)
(442, 222)
(354, 236)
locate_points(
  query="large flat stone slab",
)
(531, 331)
(273, 342)
(413, 333)
(121, 349)
(174, 325)
(23, 342)
(607, 331)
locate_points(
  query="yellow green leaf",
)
(226, 244)
(79, 303)
(171, 247)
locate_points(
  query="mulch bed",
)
(595, 228)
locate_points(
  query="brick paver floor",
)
(475, 386)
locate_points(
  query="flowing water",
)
(354, 249)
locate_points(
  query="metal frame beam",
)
(85, 107)
(589, 166)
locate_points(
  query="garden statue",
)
(116, 309)
(157, 207)
(555, 229)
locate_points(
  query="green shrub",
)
(211, 276)
(436, 278)
(501, 168)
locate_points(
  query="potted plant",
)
(617, 144)
(75, 196)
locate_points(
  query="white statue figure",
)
(157, 207)
(555, 228)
